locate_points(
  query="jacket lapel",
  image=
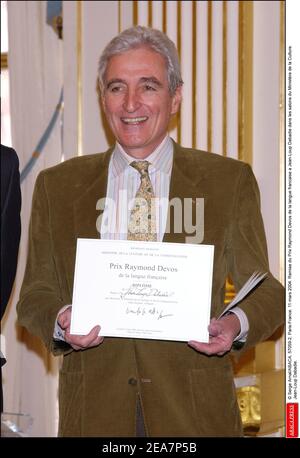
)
(84, 209)
(185, 184)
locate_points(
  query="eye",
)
(116, 88)
(148, 87)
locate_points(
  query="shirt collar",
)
(160, 159)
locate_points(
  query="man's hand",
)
(78, 342)
(222, 333)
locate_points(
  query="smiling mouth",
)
(134, 121)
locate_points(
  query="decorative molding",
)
(119, 16)
(282, 144)
(79, 76)
(229, 291)
(149, 13)
(135, 12)
(209, 75)
(249, 401)
(164, 16)
(224, 82)
(4, 60)
(179, 53)
(194, 76)
(261, 400)
(245, 82)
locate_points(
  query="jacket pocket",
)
(70, 404)
(214, 402)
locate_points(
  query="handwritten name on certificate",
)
(147, 290)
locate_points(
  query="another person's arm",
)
(10, 221)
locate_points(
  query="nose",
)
(131, 101)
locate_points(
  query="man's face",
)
(137, 101)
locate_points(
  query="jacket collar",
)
(184, 183)
(84, 208)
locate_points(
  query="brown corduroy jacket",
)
(183, 392)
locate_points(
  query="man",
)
(10, 228)
(129, 387)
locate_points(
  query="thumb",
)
(63, 320)
(214, 328)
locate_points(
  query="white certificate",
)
(147, 290)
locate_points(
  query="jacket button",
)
(132, 381)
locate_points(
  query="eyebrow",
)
(113, 81)
(151, 79)
(144, 79)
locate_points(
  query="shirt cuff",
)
(59, 333)
(242, 337)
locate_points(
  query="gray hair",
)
(136, 37)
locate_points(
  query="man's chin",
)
(137, 150)
(132, 145)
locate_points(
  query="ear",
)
(176, 100)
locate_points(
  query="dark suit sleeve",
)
(247, 253)
(10, 221)
(40, 296)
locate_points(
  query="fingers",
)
(218, 344)
(211, 348)
(64, 319)
(92, 339)
(220, 338)
(98, 339)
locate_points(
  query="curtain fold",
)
(30, 376)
